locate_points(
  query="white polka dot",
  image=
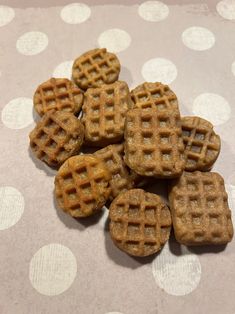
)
(32, 43)
(11, 206)
(212, 107)
(153, 11)
(176, 275)
(75, 13)
(159, 70)
(233, 68)
(115, 40)
(18, 113)
(7, 14)
(198, 38)
(226, 9)
(53, 269)
(64, 69)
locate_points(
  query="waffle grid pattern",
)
(104, 112)
(202, 145)
(112, 156)
(140, 223)
(82, 185)
(57, 136)
(58, 94)
(200, 210)
(154, 146)
(95, 68)
(154, 95)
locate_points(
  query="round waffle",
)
(104, 111)
(58, 94)
(202, 145)
(56, 137)
(199, 208)
(154, 95)
(82, 185)
(153, 142)
(140, 222)
(95, 68)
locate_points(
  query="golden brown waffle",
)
(154, 95)
(58, 94)
(199, 207)
(122, 179)
(104, 112)
(81, 185)
(154, 145)
(95, 68)
(202, 145)
(140, 223)
(56, 137)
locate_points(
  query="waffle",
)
(95, 68)
(56, 137)
(59, 94)
(199, 207)
(81, 185)
(122, 179)
(104, 112)
(202, 145)
(153, 145)
(139, 181)
(140, 222)
(154, 95)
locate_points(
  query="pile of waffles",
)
(137, 137)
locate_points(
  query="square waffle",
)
(153, 142)
(199, 207)
(104, 113)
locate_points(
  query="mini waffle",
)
(154, 95)
(81, 185)
(95, 68)
(56, 137)
(104, 112)
(202, 145)
(58, 94)
(140, 222)
(199, 207)
(121, 180)
(153, 145)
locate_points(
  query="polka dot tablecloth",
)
(50, 263)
